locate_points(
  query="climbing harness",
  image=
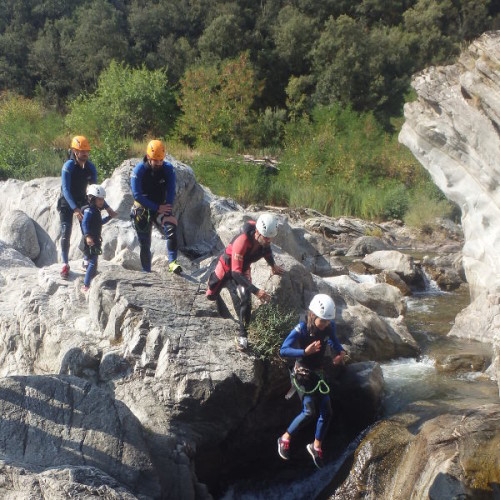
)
(321, 386)
(141, 217)
(305, 373)
(95, 250)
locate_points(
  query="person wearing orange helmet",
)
(153, 188)
(77, 174)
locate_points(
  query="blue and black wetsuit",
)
(75, 181)
(92, 226)
(152, 187)
(294, 347)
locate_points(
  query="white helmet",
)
(267, 225)
(322, 306)
(96, 190)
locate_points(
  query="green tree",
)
(131, 102)
(222, 39)
(94, 37)
(294, 35)
(216, 101)
(15, 44)
(46, 64)
(368, 69)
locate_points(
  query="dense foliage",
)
(359, 52)
(320, 85)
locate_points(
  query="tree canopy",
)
(359, 52)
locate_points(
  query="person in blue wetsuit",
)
(307, 343)
(77, 174)
(91, 227)
(153, 188)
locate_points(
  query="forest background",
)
(317, 85)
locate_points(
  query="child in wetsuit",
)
(91, 227)
(307, 344)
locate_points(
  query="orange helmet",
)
(80, 143)
(156, 150)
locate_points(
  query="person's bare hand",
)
(90, 241)
(339, 359)
(277, 270)
(165, 209)
(111, 212)
(78, 213)
(313, 347)
(263, 296)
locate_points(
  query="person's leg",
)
(66, 218)
(245, 308)
(325, 414)
(170, 231)
(216, 281)
(143, 224)
(307, 414)
(91, 270)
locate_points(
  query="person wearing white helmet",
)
(77, 174)
(91, 227)
(248, 247)
(307, 344)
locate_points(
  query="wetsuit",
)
(306, 374)
(235, 264)
(75, 181)
(92, 226)
(152, 188)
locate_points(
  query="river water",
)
(429, 317)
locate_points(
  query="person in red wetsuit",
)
(248, 247)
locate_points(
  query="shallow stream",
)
(429, 317)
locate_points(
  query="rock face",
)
(453, 130)
(454, 455)
(52, 423)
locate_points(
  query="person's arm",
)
(136, 185)
(336, 346)
(86, 226)
(288, 348)
(66, 173)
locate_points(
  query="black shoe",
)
(284, 449)
(317, 455)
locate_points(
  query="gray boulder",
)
(365, 245)
(65, 422)
(18, 231)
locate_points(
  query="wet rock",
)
(420, 455)
(462, 362)
(392, 278)
(392, 260)
(367, 244)
(381, 298)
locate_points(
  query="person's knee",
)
(244, 295)
(170, 231)
(309, 410)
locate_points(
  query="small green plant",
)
(271, 323)
(425, 206)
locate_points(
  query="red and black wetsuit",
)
(235, 264)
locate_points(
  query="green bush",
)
(109, 153)
(130, 102)
(425, 205)
(270, 325)
(28, 138)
